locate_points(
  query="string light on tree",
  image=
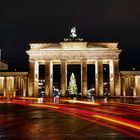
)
(72, 88)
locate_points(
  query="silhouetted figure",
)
(67, 94)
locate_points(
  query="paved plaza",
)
(30, 120)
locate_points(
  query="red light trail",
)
(109, 115)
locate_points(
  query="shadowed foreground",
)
(31, 123)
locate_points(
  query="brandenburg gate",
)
(74, 52)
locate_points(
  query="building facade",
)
(3, 65)
(14, 84)
(130, 83)
(121, 83)
(67, 53)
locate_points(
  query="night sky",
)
(22, 22)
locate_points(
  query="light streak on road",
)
(42, 105)
(124, 122)
(82, 102)
(107, 111)
(95, 113)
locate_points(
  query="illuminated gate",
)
(67, 53)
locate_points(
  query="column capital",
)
(99, 59)
(83, 59)
(116, 59)
(63, 59)
(48, 60)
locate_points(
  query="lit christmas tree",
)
(72, 88)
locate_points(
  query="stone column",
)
(21, 86)
(36, 78)
(31, 79)
(2, 85)
(123, 86)
(48, 78)
(5, 86)
(15, 86)
(99, 77)
(84, 78)
(137, 81)
(130, 85)
(63, 77)
(24, 86)
(133, 86)
(114, 78)
(136, 85)
(127, 85)
(111, 70)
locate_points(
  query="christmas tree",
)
(72, 88)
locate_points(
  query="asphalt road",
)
(69, 119)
